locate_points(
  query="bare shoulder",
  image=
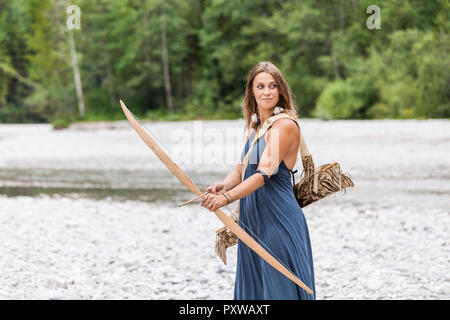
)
(287, 126)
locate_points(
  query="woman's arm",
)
(230, 181)
(282, 135)
(233, 178)
(284, 132)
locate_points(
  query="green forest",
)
(189, 59)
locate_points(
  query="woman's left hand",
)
(212, 202)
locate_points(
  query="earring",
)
(254, 118)
(277, 110)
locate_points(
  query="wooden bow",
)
(227, 221)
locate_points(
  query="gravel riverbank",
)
(59, 248)
(90, 213)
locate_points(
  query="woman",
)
(269, 211)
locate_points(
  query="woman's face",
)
(265, 90)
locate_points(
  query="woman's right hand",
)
(216, 188)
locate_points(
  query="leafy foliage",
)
(337, 68)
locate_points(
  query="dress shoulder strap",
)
(303, 149)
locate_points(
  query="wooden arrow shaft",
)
(192, 200)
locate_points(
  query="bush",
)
(61, 123)
(401, 96)
(379, 111)
(339, 100)
(11, 113)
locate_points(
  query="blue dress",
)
(273, 217)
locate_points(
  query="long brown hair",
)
(285, 100)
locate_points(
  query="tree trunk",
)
(76, 74)
(165, 58)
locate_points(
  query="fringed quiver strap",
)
(314, 184)
(225, 238)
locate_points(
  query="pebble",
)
(354, 257)
(366, 244)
